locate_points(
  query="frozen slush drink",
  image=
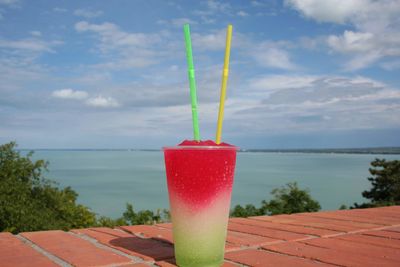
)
(200, 180)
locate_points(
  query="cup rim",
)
(200, 148)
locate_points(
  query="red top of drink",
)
(202, 143)
(200, 171)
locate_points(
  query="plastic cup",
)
(200, 180)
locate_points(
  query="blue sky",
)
(112, 74)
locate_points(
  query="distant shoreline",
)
(371, 150)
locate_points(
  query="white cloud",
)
(113, 37)
(336, 11)
(36, 33)
(351, 42)
(391, 65)
(218, 5)
(209, 41)
(88, 13)
(70, 94)
(284, 103)
(213, 8)
(277, 82)
(179, 22)
(257, 3)
(102, 102)
(9, 2)
(362, 60)
(242, 13)
(127, 50)
(376, 33)
(60, 9)
(34, 45)
(274, 57)
(265, 53)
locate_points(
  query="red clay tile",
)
(322, 223)
(162, 234)
(286, 227)
(231, 247)
(261, 231)
(165, 225)
(393, 229)
(166, 263)
(136, 265)
(374, 245)
(384, 234)
(378, 212)
(74, 250)
(348, 215)
(150, 231)
(172, 263)
(263, 258)
(229, 264)
(244, 239)
(361, 248)
(14, 253)
(145, 248)
(373, 240)
(331, 256)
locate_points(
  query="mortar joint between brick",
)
(96, 243)
(44, 252)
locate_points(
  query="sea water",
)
(107, 180)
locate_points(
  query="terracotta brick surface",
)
(165, 225)
(150, 232)
(136, 265)
(286, 227)
(331, 256)
(361, 248)
(14, 253)
(323, 223)
(262, 231)
(145, 248)
(243, 239)
(372, 240)
(252, 257)
(74, 250)
(367, 237)
(349, 215)
(393, 229)
(380, 212)
(385, 234)
(172, 263)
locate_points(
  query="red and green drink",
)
(200, 180)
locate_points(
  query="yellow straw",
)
(225, 74)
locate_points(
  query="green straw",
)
(192, 82)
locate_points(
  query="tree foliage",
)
(29, 202)
(290, 199)
(385, 182)
(286, 200)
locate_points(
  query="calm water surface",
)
(106, 180)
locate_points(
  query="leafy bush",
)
(288, 199)
(29, 202)
(385, 183)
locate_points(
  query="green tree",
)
(29, 202)
(246, 211)
(385, 183)
(143, 216)
(288, 199)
